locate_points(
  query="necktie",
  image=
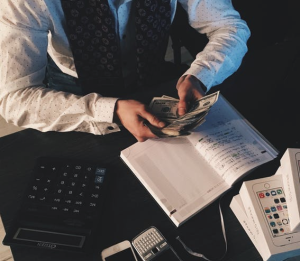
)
(152, 27)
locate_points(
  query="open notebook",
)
(185, 174)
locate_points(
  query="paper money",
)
(205, 102)
(165, 108)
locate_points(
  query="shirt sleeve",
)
(227, 34)
(24, 100)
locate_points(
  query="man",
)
(105, 49)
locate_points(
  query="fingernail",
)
(181, 111)
(161, 124)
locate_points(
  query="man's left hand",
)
(189, 90)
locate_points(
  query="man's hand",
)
(132, 115)
(189, 90)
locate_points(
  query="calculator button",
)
(65, 209)
(56, 200)
(59, 191)
(89, 170)
(68, 201)
(31, 197)
(100, 171)
(70, 192)
(86, 177)
(72, 184)
(54, 208)
(94, 196)
(34, 188)
(42, 168)
(65, 174)
(48, 181)
(96, 187)
(62, 183)
(45, 189)
(99, 179)
(75, 176)
(91, 205)
(51, 171)
(76, 211)
(83, 186)
(78, 203)
(42, 199)
(37, 180)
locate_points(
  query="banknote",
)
(165, 108)
(205, 102)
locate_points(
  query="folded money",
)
(165, 108)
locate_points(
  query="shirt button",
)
(110, 128)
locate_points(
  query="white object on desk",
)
(264, 203)
(290, 169)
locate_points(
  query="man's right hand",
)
(132, 115)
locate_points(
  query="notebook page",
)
(174, 173)
(230, 146)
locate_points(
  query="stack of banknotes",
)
(165, 108)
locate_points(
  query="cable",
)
(193, 253)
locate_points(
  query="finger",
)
(140, 139)
(198, 95)
(152, 119)
(144, 133)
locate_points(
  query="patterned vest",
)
(95, 44)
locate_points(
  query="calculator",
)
(62, 205)
(151, 245)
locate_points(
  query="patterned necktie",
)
(95, 46)
(152, 27)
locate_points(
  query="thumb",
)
(182, 107)
(153, 120)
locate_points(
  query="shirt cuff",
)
(103, 115)
(104, 109)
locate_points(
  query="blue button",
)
(100, 171)
(99, 179)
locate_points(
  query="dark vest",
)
(95, 44)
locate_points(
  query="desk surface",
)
(263, 89)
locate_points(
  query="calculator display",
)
(49, 237)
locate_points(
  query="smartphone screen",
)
(275, 210)
(123, 255)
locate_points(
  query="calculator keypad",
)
(67, 189)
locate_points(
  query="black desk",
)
(264, 90)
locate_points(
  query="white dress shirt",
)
(30, 29)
